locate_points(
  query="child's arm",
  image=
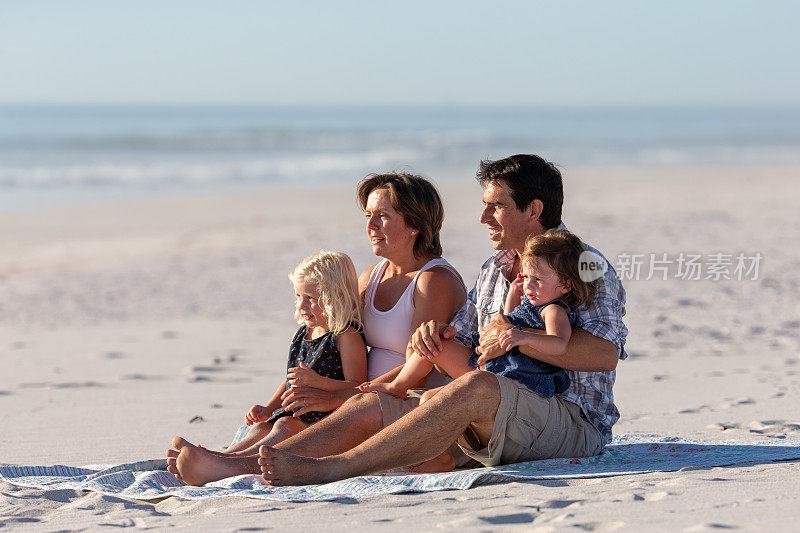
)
(551, 344)
(514, 296)
(259, 413)
(354, 364)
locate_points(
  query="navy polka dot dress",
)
(320, 355)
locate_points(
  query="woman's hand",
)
(302, 375)
(257, 413)
(489, 346)
(301, 399)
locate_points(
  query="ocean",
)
(70, 154)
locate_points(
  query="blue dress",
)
(540, 377)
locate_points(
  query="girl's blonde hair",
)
(335, 277)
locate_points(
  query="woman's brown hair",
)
(417, 200)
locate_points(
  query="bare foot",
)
(172, 459)
(280, 467)
(388, 388)
(198, 467)
(221, 454)
(442, 463)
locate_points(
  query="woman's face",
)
(388, 233)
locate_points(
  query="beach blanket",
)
(628, 454)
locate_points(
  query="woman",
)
(412, 284)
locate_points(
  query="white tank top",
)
(387, 332)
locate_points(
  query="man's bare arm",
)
(585, 352)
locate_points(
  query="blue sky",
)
(554, 53)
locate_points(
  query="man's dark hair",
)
(528, 178)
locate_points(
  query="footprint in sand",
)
(141, 377)
(710, 526)
(640, 497)
(723, 426)
(517, 518)
(64, 385)
(695, 410)
(560, 504)
(600, 526)
(772, 427)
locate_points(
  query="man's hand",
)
(489, 346)
(301, 399)
(302, 375)
(257, 413)
(426, 341)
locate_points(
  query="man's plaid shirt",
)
(592, 391)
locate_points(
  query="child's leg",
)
(444, 462)
(412, 373)
(452, 360)
(282, 429)
(258, 431)
(197, 467)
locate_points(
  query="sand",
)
(124, 324)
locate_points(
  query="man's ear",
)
(536, 208)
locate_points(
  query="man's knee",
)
(478, 391)
(477, 384)
(364, 407)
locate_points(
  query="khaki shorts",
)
(394, 408)
(528, 427)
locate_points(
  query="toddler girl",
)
(550, 289)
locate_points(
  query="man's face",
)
(508, 226)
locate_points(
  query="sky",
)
(532, 53)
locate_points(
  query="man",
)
(523, 195)
(494, 419)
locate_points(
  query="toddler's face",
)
(308, 305)
(540, 282)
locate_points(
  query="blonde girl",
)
(327, 351)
